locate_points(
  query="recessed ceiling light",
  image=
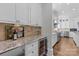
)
(73, 9)
(62, 11)
(67, 3)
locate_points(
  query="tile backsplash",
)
(2, 32)
(29, 31)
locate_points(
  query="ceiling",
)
(70, 10)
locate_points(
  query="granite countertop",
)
(10, 44)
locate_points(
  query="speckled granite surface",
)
(10, 44)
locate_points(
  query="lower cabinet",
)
(31, 49)
(54, 38)
(15, 52)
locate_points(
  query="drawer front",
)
(32, 53)
(32, 44)
(31, 49)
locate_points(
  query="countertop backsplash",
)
(2, 32)
(31, 33)
(28, 31)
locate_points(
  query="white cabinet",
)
(26, 14)
(15, 52)
(29, 14)
(32, 15)
(73, 23)
(7, 12)
(54, 39)
(39, 20)
(31, 49)
(22, 13)
(35, 14)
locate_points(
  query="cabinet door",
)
(15, 52)
(22, 13)
(31, 49)
(7, 12)
(35, 14)
(71, 23)
(39, 15)
(54, 39)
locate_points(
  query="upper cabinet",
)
(39, 15)
(22, 13)
(35, 14)
(7, 12)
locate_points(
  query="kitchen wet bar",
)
(9, 44)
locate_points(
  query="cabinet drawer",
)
(32, 49)
(34, 44)
(32, 52)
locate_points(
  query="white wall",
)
(74, 24)
(47, 22)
